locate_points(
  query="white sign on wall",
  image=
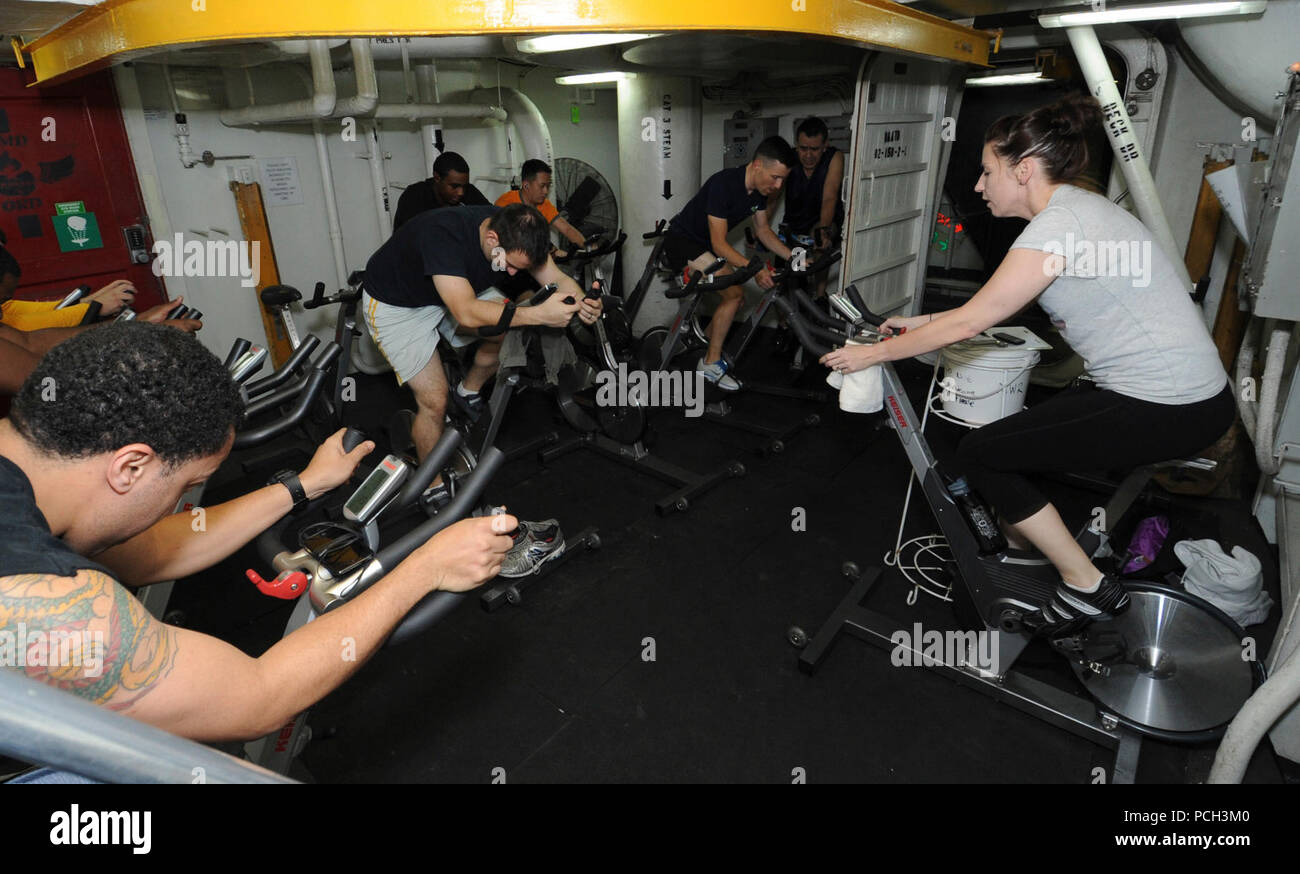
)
(280, 184)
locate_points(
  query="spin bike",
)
(660, 346)
(1169, 667)
(620, 430)
(334, 562)
(480, 435)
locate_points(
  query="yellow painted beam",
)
(121, 30)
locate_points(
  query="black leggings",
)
(1084, 429)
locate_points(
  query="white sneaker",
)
(716, 373)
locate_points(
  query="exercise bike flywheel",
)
(1170, 666)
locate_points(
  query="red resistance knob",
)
(288, 585)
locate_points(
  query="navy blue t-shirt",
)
(803, 196)
(439, 242)
(723, 196)
(28, 547)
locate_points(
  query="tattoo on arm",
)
(84, 634)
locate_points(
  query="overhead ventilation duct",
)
(1248, 56)
(324, 102)
(534, 134)
(319, 105)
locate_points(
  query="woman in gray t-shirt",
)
(1160, 391)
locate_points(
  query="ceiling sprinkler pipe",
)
(320, 105)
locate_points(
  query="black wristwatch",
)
(289, 479)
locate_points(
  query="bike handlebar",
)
(306, 391)
(822, 264)
(744, 274)
(661, 228)
(282, 374)
(580, 255)
(435, 605)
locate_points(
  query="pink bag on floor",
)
(1148, 538)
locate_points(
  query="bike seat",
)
(279, 295)
(356, 277)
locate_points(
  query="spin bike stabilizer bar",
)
(309, 389)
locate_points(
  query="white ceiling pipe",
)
(367, 96)
(366, 102)
(527, 119)
(1123, 141)
(331, 204)
(302, 47)
(426, 83)
(379, 181)
(429, 111)
(425, 47)
(320, 105)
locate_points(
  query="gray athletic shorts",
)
(409, 336)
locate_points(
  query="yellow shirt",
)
(33, 315)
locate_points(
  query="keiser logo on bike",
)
(898, 411)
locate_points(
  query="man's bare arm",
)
(16, 363)
(199, 687)
(768, 237)
(42, 341)
(172, 549)
(831, 190)
(719, 246)
(568, 231)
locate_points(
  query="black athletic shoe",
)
(1069, 609)
(434, 498)
(472, 406)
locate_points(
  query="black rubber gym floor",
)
(662, 656)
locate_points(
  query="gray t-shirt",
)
(1120, 304)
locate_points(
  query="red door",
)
(66, 145)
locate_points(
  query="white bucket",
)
(982, 384)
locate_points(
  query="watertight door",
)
(898, 159)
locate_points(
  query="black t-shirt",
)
(419, 198)
(436, 242)
(28, 547)
(803, 196)
(723, 196)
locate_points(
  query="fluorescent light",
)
(1154, 11)
(592, 78)
(1005, 79)
(563, 42)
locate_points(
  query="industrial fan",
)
(584, 198)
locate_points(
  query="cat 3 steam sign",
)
(75, 228)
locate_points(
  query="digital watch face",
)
(340, 550)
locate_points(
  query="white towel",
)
(860, 391)
(1233, 583)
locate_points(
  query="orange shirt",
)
(547, 209)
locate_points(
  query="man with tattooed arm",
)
(105, 435)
